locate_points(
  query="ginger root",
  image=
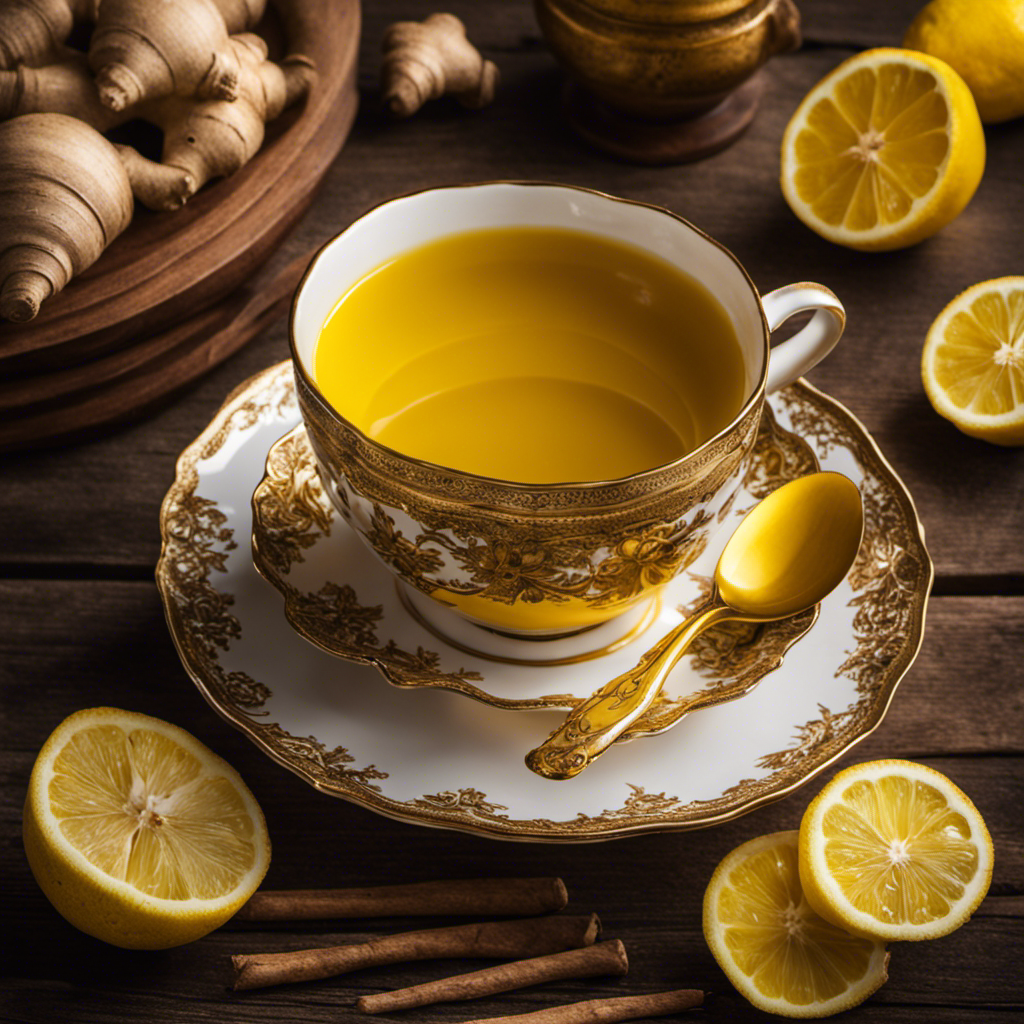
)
(31, 31)
(215, 138)
(65, 87)
(66, 191)
(81, 201)
(142, 50)
(428, 59)
(241, 15)
(202, 140)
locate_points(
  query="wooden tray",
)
(169, 268)
(51, 407)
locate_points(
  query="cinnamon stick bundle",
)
(505, 940)
(601, 958)
(484, 897)
(607, 1011)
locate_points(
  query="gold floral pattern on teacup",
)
(529, 559)
(332, 618)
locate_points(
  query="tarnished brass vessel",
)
(664, 81)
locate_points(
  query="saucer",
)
(341, 598)
(426, 754)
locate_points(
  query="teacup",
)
(542, 561)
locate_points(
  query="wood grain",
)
(81, 624)
(49, 408)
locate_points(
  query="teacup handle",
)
(795, 356)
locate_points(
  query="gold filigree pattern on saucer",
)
(809, 736)
(195, 545)
(293, 514)
(468, 800)
(325, 766)
(734, 657)
(886, 573)
(890, 587)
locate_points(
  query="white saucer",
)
(429, 755)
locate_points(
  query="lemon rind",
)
(874, 977)
(820, 886)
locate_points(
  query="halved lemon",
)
(884, 151)
(894, 850)
(137, 833)
(972, 365)
(776, 951)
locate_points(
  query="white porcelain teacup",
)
(537, 560)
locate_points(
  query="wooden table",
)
(81, 624)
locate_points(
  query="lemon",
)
(776, 951)
(137, 833)
(884, 151)
(984, 43)
(972, 365)
(894, 850)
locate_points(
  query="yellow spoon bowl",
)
(787, 554)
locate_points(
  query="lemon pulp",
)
(778, 952)
(873, 148)
(138, 807)
(973, 361)
(884, 151)
(898, 851)
(893, 850)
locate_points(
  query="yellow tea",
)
(538, 355)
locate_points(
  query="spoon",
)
(788, 553)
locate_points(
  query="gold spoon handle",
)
(594, 724)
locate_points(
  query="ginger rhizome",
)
(202, 140)
(188, 66)
(432, 58)
(215, 138)
(31, 31)
(143, 50)
(81, 201)
(64, 87)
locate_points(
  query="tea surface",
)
(532, 354)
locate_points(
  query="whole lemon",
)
(984, 41)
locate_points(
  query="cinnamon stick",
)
(506, 940)
(601, 958)
(607, 1011)
(475, 896)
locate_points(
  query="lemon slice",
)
(137, 833)
(884, 151)
(972, 365)
(893, 850)
(776, 951)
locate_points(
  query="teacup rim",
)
(692, 457)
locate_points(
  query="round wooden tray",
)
(161, 278)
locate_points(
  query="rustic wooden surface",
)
(81, 625)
